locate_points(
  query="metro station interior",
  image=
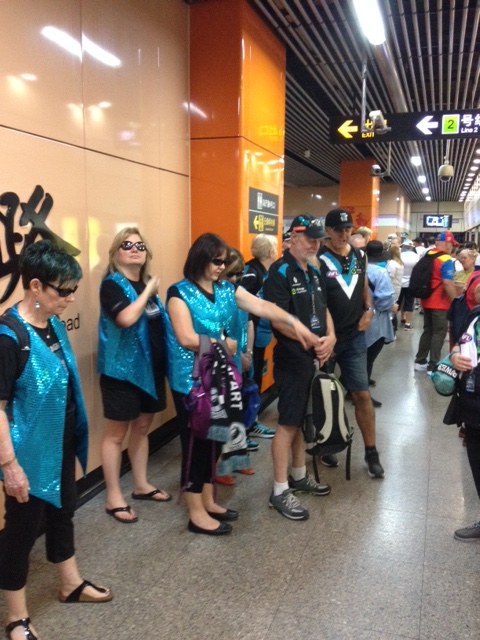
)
(172, 115)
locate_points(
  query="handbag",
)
(445, 377)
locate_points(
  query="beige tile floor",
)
(376, 560)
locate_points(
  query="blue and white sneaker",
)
(251, 445)
(261, 431)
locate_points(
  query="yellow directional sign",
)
(346, 129)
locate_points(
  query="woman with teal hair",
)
(43, 427)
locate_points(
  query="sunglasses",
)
(218, 262)
(237, 274)
(127, 245)
(62, 292)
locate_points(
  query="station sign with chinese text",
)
(262, 212)
(424, 125)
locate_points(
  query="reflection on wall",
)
(93, 137)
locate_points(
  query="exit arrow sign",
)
(424, 125)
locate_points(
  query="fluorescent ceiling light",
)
(67, 42)
(422, 179)
(370, 20)
(428, 198)
(416, 161)
(425, 190)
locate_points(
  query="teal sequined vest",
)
(37, 412)
(208, 318)
(125, 353)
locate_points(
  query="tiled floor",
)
(375, 561)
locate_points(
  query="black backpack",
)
(459, 315)
(326, 429)
(421, 278)
(23, 339)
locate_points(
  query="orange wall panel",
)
(359, 191)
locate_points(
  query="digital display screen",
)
(437, 222)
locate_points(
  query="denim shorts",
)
(351, 357)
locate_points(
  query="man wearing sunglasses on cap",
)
(297, 287)
(350, 303)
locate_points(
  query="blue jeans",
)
(351, 356)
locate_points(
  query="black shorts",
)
(293, 389)
(124, 401)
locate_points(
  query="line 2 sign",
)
(424, 125)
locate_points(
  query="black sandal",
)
(24, 622)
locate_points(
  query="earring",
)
(37, 304)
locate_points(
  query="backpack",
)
(23, 339)
(458, 314)
(326, 429)
(421, 278)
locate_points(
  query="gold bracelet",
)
(8, 462)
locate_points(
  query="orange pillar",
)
(237, 117)
(359, 192)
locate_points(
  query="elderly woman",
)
(131, 361)
(264, 249)
(43, 426)
(199, 304)
(466, 257)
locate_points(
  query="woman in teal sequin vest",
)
(131, 363)
(201, 304)
(43, 427)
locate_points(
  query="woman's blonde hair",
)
(262, 246)
(395, 253)
(235, 264)
(365, 232)
(115, 246)
(471, 253)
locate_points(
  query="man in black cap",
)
(349, 301)
(297, 287)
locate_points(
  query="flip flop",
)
(150, 496)
(77, 594)
(113, 512)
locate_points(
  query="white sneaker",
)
(420, 367)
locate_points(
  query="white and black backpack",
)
(326, 429)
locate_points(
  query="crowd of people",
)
(331, 299)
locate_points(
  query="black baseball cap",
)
(309, 225)
(339, 219)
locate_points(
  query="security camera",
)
(378, 122)
(445, 171)
(376, 170)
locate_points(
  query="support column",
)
(359, 192)
(237, 116)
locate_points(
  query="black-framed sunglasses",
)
(127, 245)
(62, 292)
(346, 266)
(218, 262)
(237, 274)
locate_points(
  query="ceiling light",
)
(422, 179)
(473, 169)
(477, 161)
(428, 198)
(370, 20)
(416, 161)
(425, 190)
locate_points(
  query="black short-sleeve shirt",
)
(301, 293)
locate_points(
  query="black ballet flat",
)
(222, 529)
(230, 514)
(25, 623)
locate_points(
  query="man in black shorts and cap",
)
(297, 287)
(349, 301)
